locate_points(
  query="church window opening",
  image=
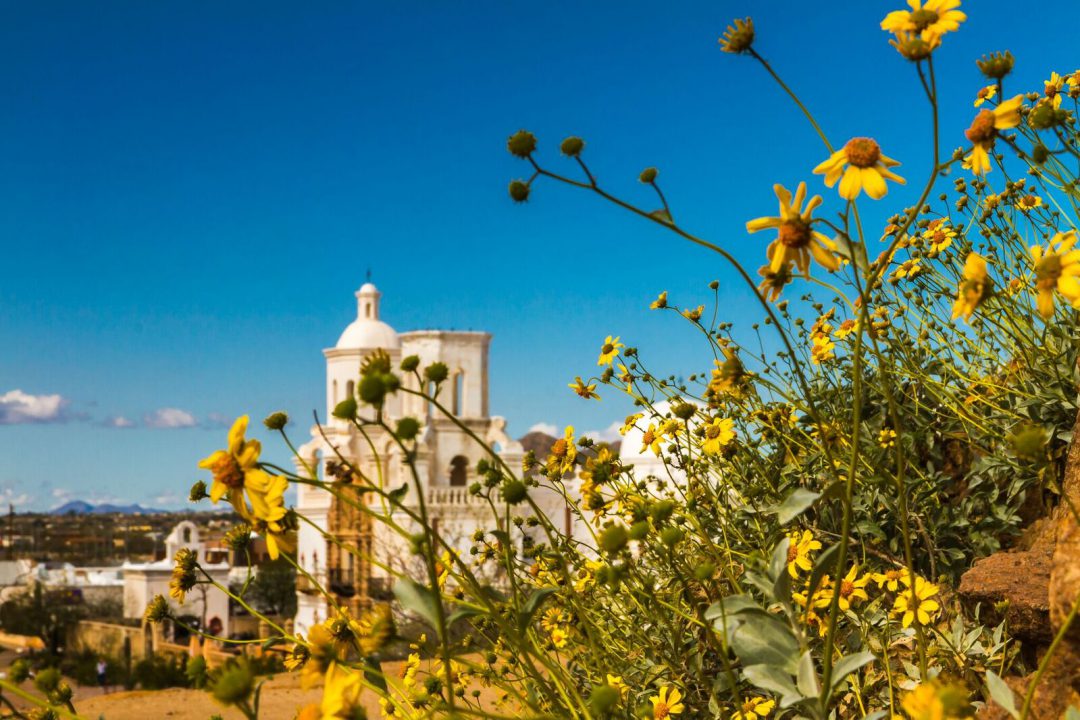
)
(350, 389)
(459, 471)
(459, 392)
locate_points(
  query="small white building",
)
(446, 460)
(142, 581)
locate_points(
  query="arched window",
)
(335, 393)
(187, 535)
(459, 392)
(431, 393)
(459, 471)
(350, 389)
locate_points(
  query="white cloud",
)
(609, 434)
(9, 497)
(117, 421)
(219, 420)
(168, 499)
(17, 408)
(170, 418)
(546, 428)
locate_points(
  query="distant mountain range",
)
(81, 507)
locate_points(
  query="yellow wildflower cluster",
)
(821, 343)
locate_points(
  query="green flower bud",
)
(346, 409)
(661, 510)
(157, 610)
(234, 682)
(198, 492)
(671, 536)
(436, 372)
(997, 65)
(19, 671)
(639, 530)
(1040, 153)
(47, 680)
(410, 363)
(276, 421)
(613, 539)
(572, 146)
(521, 144)
(519, 190)
(1029, 441)
(705, 570)
(373, 389)
(648, 175)
(514, 491)
(407, 428)
(684, 411)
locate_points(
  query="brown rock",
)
(1020, 578)
(1058, 689)
(1064, 586)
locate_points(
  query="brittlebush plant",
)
(903, 407)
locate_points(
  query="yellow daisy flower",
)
(922, 607)
(1027, 203)
(774, 281)
(866, 169)
(975, 286)
(718, 434)
(236, 470)
(660, 302)
(796, 240)
(754, 708)
(799, 548)
(890, 579)
(984, 131)
(907, 269)
(341, 696)
(609, 351)
(651, 439)
(629, 423)
(1057, 267)
(1052, 89)
(985, 94)
(940, 236)
(933, 18)
(667, 703)
(821, 349)
(853, 588)
(582, 389)
(887, 438)
(559, 637)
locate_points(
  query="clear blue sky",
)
(191, 192)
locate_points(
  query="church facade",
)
(446, 462)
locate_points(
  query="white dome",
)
(364, 334)
(367, 331)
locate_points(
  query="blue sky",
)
(193, 191)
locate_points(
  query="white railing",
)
(451, 496)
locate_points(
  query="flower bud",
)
(521, 144)
(198, 492)
(410, 363)
(648, 175)
(997, 65)
(436, 372)
(613, 539)
(603, 698)
(373, 388)
(513, 491)
(407, 428)
(346, 409)
(234, 683)
(671, 536)
(519, 191)
(739, 36)
(157, 610)
(640, 530)
(276, 421)
(572, 146)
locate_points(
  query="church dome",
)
(367, 331)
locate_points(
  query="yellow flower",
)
(907, 269)
(991, 201)
(728, 376)
(583, 390)
(341, 696)
(940, 235)
(559, 637)
(985, 94)
(975, 286)
(629, 423)
(667, 703)
(277, 535)
(821, 349)
(660, 302)
(931, 19)
(754, 708)
(799, 548)
(651, 439)
(890, 579)
(609, 351)
(867, 169)
(322, 656)
(616, 682)
(934, 700)
(236, 469)
(853, 588)
(625, 376)
(984, 131)
(1027, 203)
(694, 314)
(409, 670)
(738, 37)
(1052, 89)
(563, 452)
(887, 438)
(846, 328)
(796, 240)
(922, 607)
(774, 281)
(1057, 267)
(718, 434)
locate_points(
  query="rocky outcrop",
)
(1012, 586)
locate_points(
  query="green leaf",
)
(419, 599)
(770, 679)
(459, 615)
(807, 677)
(1001, 693)
(762, 639)
(849, 250)
(1073, 713)
(729, 607)
(372, 673)
(794, 505)
(849, 664)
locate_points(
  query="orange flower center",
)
(846, 588)
(227, 471)
(661, 711)
(608, 347)
(862, 152)
(982, 127)
(792, 552)
(1029, 201)
(648, 437)
(558, 449)
(923, 19)
(712, 432)
(794, 233)
(1048, 271)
